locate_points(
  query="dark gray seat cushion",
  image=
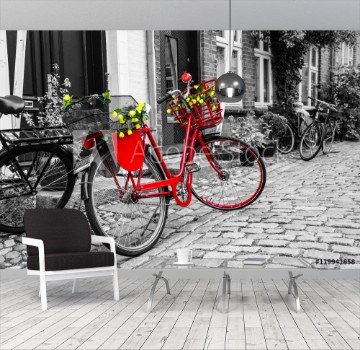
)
(69, 261)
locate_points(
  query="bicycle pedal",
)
(192, 167)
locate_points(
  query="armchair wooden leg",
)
(116, 285)
(75, 286)
(43, 292)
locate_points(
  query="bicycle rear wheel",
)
(329, 134)
(285, 138)
(311, 142)
(53, 190)
(242, 178)
(135, 225)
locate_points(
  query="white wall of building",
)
(131, 64)
(127, 63)
(5, 121)
(8, 121)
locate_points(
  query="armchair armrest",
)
(40, 245)
(103, 239)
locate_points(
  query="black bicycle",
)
(289, 126)
(320, 133)
(38, 167)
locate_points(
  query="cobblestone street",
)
(308, 210)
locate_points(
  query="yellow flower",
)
(190, 104)
(141, 104)
(144, 118)
(121, 134)
(201, 101)
(213, 107)
(168, 111)
(67, 98)
(134, 120)
(132, 113)
(129, 132)
(212, 93)
(193, 101)
(188, 99)
(137, 126)
(114, 114)
(196, 87)
(139, 109)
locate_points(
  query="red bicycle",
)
(132, 206)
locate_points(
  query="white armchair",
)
(59, 242)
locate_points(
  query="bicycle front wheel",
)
(232, 175)
(329, 134)
(135, 224)
(47, 181)
(311, 142)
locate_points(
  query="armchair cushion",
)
(62, 230)
(69, 261)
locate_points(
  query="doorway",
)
(179, 53)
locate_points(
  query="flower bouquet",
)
(203, 104)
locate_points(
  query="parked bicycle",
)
(36, 164)
(287, 131)
(132, 206)
(320, 133)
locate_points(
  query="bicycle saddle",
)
(11, 104)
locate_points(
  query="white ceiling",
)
(179, 14)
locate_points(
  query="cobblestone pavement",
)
(308, 210)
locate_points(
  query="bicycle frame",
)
(296, 128)
(184, 176)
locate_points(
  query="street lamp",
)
(230, 87)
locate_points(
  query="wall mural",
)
(196, 178)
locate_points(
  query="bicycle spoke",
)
(16, 187)
(241, 180)
(135, 224)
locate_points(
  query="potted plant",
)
(53, 101)
(56, 96)
(255, 132)
(276, 126)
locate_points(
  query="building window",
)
(263, 73)
(222, 52)
(342, 58)
(235, 61)
(309, 77)
(347, 55)
(220, 57)
(314, 57)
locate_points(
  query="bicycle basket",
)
(92, 113)
(204, 106)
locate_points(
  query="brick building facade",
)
(138, 65)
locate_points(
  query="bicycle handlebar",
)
(169, 94)
(164, 98)
(329, 105)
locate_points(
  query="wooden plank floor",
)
(257, 315)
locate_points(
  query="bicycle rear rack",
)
(38, 135)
